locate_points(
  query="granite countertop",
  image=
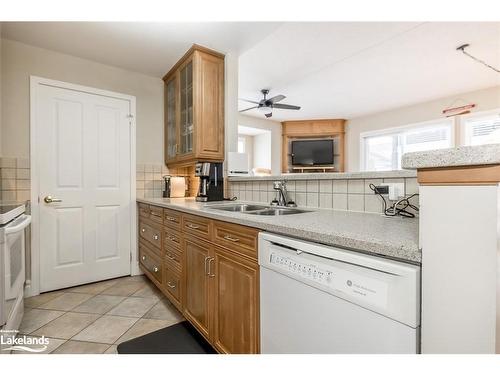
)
(328, 176)
(371, 233)
(453, 157)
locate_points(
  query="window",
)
(382, 150)
(481, 129)
(241, 144)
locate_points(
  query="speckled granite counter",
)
(453, 157)
(328, 176)
(366, 232)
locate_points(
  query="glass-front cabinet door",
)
(186, 109)
(171, 139)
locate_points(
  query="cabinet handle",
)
(172, 238)
(155, 237)
(170, 285)
(207, 269)
(144, 257)
(192, 226)
(152, 213)
(155, 269)
(210, 274)
(170, 256)
(232, 239)
(143, 230)
(170, 218)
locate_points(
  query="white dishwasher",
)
(321, 299)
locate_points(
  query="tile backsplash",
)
(149, 181)
(348, 194)
(15, 179)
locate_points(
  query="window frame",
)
(398, 129)
(472, 115)
(244, 141)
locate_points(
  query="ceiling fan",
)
(267, 105)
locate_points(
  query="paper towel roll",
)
(177, 187)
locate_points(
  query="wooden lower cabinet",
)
(236, 303)
(196, 284)
(211, 276)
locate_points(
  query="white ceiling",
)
(247, 130)
(330, 69)
(345, 70)
(146, 47)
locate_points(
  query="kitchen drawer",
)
(152, 264)
(151, 232)
(171, 236)
(156, 214)
(173, 257)
(172, 219)
(172, 286)
(197, 226)
(236, 237)
(144, 210)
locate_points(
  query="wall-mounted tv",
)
(312, 152)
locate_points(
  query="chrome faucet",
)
(282, 196)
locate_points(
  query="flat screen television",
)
(312, 152)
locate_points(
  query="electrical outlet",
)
(393, 190)
(381, 189)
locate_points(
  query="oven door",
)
(14, 263)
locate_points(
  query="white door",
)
(83, 159)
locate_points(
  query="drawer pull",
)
(170, 256)
(170, 285)
(232, 239)
(155, 270)
(155, 237)
(207, 269)
(144, 257)
(153, 213)
(210, 274)
(170, 218)
(192, 226)
(172, 238)
(143, 230)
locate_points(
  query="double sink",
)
(256, 209)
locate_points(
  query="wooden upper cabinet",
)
(194, 108)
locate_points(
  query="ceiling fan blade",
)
(248, 109)
(286, 106)
(249, 101)
(276, 99)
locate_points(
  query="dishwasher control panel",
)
(358, 285)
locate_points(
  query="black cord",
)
(400, 207)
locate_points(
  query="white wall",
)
(484, 99)
(19, 61)
(262, 150)
(274, 142)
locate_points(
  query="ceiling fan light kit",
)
(267, 105)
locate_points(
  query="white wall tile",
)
(263, 196)
(312, 186)
(301, 186)
(9, 195)
(312, 199)
(340, 186)
(326, 200)
(23, 174)
(23, 163)
(411, 186)
(339, 201)
(301, 199)
(375, 181)
(356, 186)
(356, 202)
(373, 203)
(325, 186)
(8, 162)
(291, 186)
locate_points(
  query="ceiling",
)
(247, 130)
(146, 47)
(330, 69)
(350, 69)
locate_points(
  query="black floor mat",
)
(181, 338)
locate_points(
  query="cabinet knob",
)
(143, 230)
(155, 269)
(155, 237)
(144, 257)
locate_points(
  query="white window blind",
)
(482, 129)
(383, 151)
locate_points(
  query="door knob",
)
(48, 199)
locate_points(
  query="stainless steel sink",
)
(239, 207)
(275, 211)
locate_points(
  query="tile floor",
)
(95, 318)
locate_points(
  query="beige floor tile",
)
(52, 345)
(99, 304)
(106, 329)
(67, 325)
(149, 291)
(66, 302)
(139, 278)
(143, 327)
(166, 311)
(133, 307)
(41, 299)
(81, 347)
(36, 318)
(111, 350)
(94, 288)
(124, 288)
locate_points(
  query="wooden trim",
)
(467, 175)
(194, 47)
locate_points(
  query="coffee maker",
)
(211, 182)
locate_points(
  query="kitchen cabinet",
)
(194, 108)
(208, 269)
